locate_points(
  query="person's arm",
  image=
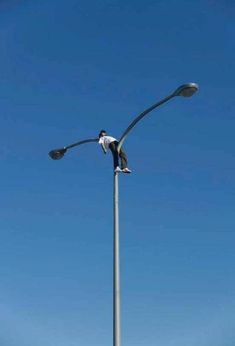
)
(104, 149)
(101, 142)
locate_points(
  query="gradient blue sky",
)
(68, 69)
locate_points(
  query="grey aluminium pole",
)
(185, 90)
(116, 267)
(116, 247)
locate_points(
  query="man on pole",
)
(108, 142)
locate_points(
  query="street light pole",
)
(116, 267)
(185, 90)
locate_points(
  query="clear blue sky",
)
(68, 69)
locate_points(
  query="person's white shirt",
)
(105, 141)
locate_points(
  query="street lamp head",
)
(186, 90)
(57, 154)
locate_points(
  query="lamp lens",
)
(57, 154)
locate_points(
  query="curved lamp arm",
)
(185, 90)
(82, 142)
(139, 117)
(57, 154)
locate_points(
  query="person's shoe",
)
(117, 170)
(126, 170)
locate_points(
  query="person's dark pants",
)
(113, 147)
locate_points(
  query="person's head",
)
(102, 133)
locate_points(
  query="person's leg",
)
(113, 148)
(123, 158)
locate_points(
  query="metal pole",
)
(116, 255)
(56, 154)
(116, 249)
(116, 267)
